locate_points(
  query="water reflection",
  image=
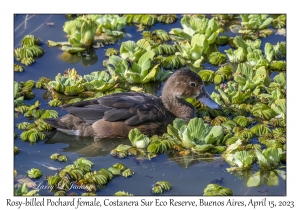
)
(188, 160)
(87, 58)
(86, 147)
(261, 177)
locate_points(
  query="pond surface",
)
(188, 176)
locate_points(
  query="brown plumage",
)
(113, 116)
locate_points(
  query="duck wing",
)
(132, 108)
(89, 111)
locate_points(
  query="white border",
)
(153, 6)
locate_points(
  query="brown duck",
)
(113, 116)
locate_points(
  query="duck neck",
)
(179, 107)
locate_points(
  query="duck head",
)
(183, 84)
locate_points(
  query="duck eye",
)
(192, 84)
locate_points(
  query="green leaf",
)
(239, 42)
(263, 111)
(150, 75)
(242, 121)
(260, 129)
(217, 190)
(143, 43)
(265, 23)
(216, 58)
(262, 161)
(145, 60)
(245, 70)
(138, 139)
(235, 56)
(269, 52)
(279, 106)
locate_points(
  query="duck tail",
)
(53, 122)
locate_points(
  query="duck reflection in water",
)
(84, 146)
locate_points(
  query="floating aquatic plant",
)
(235, 56)
(111, 51)
(263, 111)
(127, 172)
(207, 75)
(196, 132)
(222, 40)
(88, 30)
(60, 193)
(269, 158)
(279, 106)
(23, 90)
(99, 81)
(158, 36)
(95, 178)
(42, 83)
(233, 96)
(55, 102)
(242, 133)
(81, 31)
(29, 50)
(23, 125)
(120, 166)
(32, 135)
(167, 19)
(218, 120)
(18, 68)
(106, 173)
(59, 157)
(53, 180)
(193, 52)
(23, 191)
(115, 171)
(261, 129)
(16, 150)
(41, 113)
(229, 125)
(138, 139)
(163, 49)
(34, 173)
(121, 151)
(255, 25)
(70, 83)
(143, 19)
(239, 160)
(111, 25)
(217, 190)
(217, 58)
(193, 25)
(279, 21)
(18, 100)
(83, 161)
(122, 193)
(89, 194)
(161, 186)
(141, 71)
(242, 121)
(173, 62)
(64, 184)
(160, 145)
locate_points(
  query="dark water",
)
(188, 177)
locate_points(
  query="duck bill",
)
(206, 99)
